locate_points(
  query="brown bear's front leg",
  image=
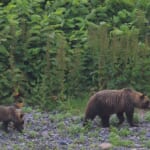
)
(120, 117)
(130, 118)
(105, 121)
(5, 125)
(88, 116)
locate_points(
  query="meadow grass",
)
(74, 105)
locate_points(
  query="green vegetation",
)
(147, 144)
(76, 129)
(32, 134)
(136, 117)
(54, 50)
(116, 140)
(124, 132)
(74, 105)
(147, 116)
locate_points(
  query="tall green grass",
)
(74, 105)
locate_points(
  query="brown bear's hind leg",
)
(120, 117)
(105, 121)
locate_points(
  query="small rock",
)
(45, 134)
(62, 142)
(1, 135)
(105, 146)
(137, 145)
(148, 134)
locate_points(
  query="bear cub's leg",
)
(120, 117)
(5, 125)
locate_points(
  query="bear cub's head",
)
(19, 120)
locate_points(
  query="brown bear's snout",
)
(146, 104)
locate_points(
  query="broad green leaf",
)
(116, 32)
(60, 11)
(35, 18)
(3, 50)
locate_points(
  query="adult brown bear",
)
(11, 114)
(107, 102)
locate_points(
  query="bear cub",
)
(11, 114)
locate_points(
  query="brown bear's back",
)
(108, 101)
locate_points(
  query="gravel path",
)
(62, 131)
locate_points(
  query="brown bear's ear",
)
(142, 96)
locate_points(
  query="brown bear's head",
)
(140, 100)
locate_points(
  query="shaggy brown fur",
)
(11, 114)
(107, 102)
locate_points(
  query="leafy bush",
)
(52, 50)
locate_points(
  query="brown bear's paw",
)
(134, 125)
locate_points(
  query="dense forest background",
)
(51, 50)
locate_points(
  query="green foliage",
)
(147, 144)
(73, 105)
(121, 132)
(124, 132)
(76, 129)
(66, 48)
(116, 140)
(147, 116)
